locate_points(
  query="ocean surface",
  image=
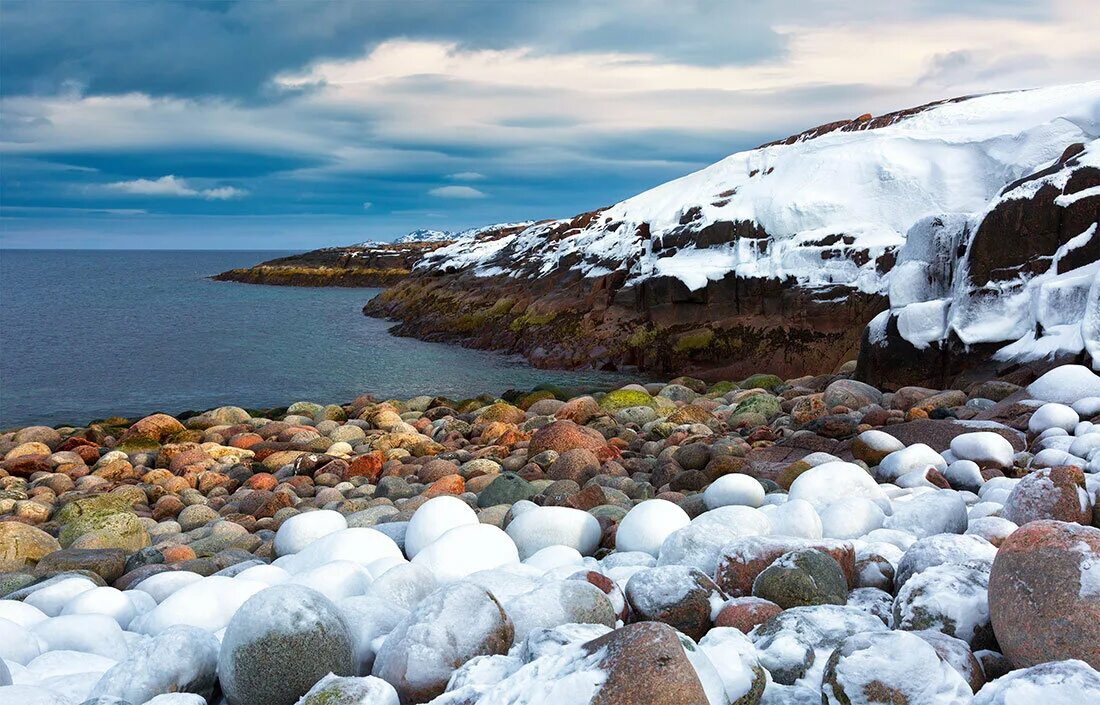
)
(90, 334)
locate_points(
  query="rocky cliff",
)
(781, 255)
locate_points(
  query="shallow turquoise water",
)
(88, 334)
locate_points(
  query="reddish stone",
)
(26, 465)
(261, 481)
(745, 613)
(640, 660)
(589, 497)
(451, 484)
(368, 466)
(609, 587)
(167, 507)
(580, 410)
(434, 470)
(245, 440)
(74, 442)
(562, 436)
(1044, 596)
(1050, 493)
(175, 554)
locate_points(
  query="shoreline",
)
(678, 510)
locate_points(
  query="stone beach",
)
(762, 540)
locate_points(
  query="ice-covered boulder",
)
(951, 598)
(280, 642)
(434, 518)
(556, 603)
(554, 526)
(467, 549)
(647, 525)
(181, 659)
(891, 667)
(734, 489)
(448, 628)
(300, 530)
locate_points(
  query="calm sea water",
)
(89, 334)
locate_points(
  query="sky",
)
(202, 124)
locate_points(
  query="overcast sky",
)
(293, 125)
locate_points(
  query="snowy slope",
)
(865, 182)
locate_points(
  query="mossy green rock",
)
(626, 398)
(332, 412)
(768, 382)
(123, 531)
(720, 388)
(99, 505)
(507, 488)
(764, 404)
(335, 690)
(304, 408)
(801, 578)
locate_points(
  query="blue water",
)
(90, 334)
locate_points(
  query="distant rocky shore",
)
(372, 265)
(762, 541)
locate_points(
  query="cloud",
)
(175, 187)
(466, 176)
(367, 205)
(456, 192)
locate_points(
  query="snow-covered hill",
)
(789, 208)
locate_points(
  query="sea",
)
(87, 334)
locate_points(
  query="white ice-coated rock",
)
(336, 580)
(266, 574)
(32, 695)
(162, 585)
(734, 489)
(1087, 407)
(18, 643)
(1085, 445)
(553, 557)
(556, 603)
(467, 549)
(1066, 384)
(648, 524)
(21, 613)
(179, 657)
(1069, 682)
(363, 691)
(795, 517)
(52, 598)
(434, 518)
(369, 618)
(300, 530)
(65, 662)
(209, 603)
(358, 545)
(984, 448)
(734, 657)
(449, 627)
(880, 441)
(824, 484)
(700, 543)
(991, 528)
(930, 513)
(915, 457)
(93, 633)
(177, 699)
(107, 601)
(1053, 457)
(506, 583)
(538, 528)
(1053, 416)
(851, 518)
(964, 474)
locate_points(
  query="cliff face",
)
(775, 258)
(366, 265)
(1015, 283)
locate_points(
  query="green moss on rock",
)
(625, 398)
(762, 381)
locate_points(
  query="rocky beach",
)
(763, 540)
